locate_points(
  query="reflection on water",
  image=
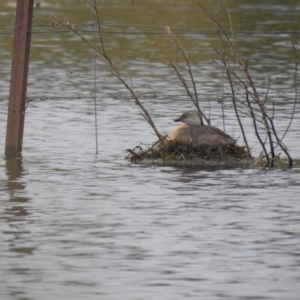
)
(76, 225)
(15, 213)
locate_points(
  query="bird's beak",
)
(177, 120)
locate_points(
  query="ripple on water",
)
(76, 225)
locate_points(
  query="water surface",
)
(81, 225)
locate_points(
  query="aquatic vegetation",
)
(246, 100)
(177, 151)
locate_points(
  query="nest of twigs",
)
(176, 151)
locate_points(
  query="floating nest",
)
(174, 152)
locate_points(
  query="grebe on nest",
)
(193, 131)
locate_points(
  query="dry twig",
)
(109, 65)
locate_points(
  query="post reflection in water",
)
(15, 233)
(15, 212)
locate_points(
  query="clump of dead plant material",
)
(176, 151)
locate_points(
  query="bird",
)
(194, 132)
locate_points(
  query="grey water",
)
(76, 224)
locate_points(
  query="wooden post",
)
(18, 81)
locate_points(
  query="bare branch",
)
(110, 66)
(177, 67)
